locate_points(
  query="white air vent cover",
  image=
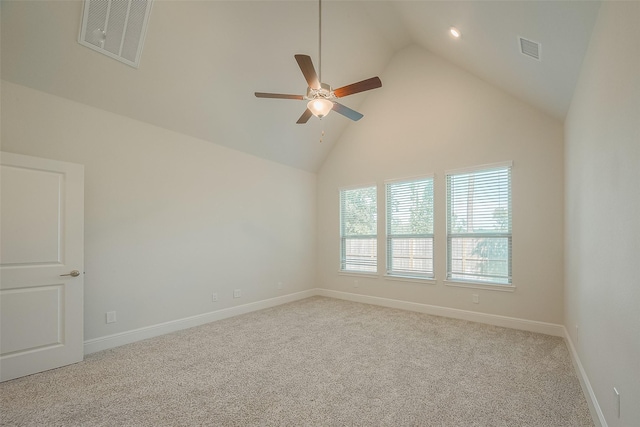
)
(116, 28)
(530, 48)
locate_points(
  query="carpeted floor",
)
(314, 362)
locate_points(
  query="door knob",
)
(74, 273)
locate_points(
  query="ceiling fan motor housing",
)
(325, 91)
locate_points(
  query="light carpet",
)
(315, 362)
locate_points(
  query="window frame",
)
(343, 262)
(428, 277)
(482, 284)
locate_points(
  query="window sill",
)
(423, 281)
(358, 274)
(478, 285)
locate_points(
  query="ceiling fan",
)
(320, 96)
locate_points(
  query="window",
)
(479, 225)
(359, 230)
(410, 228)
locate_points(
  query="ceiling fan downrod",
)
(320, 40)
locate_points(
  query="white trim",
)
(127, 337)
(592, 401)
(358, 274)
(357, 186)
(472, 316)
(478, 285)
(506, 164)
(423, 281)
(408, 179)
(115, 340)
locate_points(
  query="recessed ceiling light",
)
(454, 32)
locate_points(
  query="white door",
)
(41, 264)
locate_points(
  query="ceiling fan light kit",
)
(320, 107)
(321, 98)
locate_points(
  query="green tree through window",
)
(479, 225)
(410, 228)
(358, 229)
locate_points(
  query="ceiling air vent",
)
(530, 48)
(115, 28)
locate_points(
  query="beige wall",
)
(602, 136)
(430, 117)
(169, 219)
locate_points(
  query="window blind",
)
(359, 230)
(479, 225)
(410, 228)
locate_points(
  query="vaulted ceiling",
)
(203, 60)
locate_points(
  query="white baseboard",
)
(472, 316)
(115, 340)
(594, 406)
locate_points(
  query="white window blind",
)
(479, 225)
(410, 228)
(359, 230)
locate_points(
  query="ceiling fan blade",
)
(372, 83)
(304, 118)
(347, 112)
(277, 95)
(306, 66)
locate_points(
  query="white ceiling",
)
(202, 61)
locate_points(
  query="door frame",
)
(18, 280)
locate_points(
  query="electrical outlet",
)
(237, 293)
(616, 394)
(356, 283)
(475, 298)
(214, 297)
(279, 285)
(111, 317)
